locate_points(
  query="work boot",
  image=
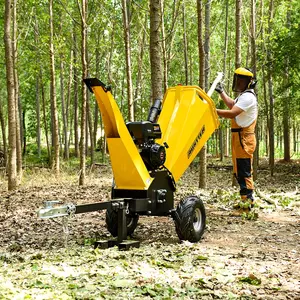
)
(236, 205)
(244, 202)
(243, 206)
(239, 212)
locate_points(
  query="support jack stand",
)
(124, 245)
(121, 241)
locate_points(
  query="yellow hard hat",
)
(244, 72)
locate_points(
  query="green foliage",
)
(252, 215)
(284, 201)
(251, 279)
(106, 56)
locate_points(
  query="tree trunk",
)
(227, 142)
(55, 159)
(90, 129)
(137, 93)
(19, 123)
(67, 111)
(294, 136)
(37, 88)
(207, 44)
(203, 160)
(238, 33)
(38, 117)
(89, 117)
(171, 35)
(185, 46)
(11, 103)
(238, 58)
(96, 109)
(253, 66)
(110, 57)
(191, 65)
(3, 130)
(128, 61)
(164, 50)
(270, 88)
(84, 92)
(225, 38)
(286, 102)
(201, 44)
(63, 109)
(155, 53)
(24, 134)
(45, 115)
(222, 128)
(202, 154)
(109, 77)
(75, 88)
(265, 80)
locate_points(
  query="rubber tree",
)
(201, 51)
(238, 33)
(12, 150)
(223, 128)
(270, 89)
(163, 45)
(83, 13)
(185, 45)
(55, 159)
(126, 26)
(253, 66)
(75, 89)
(155, 50)
(286, 102)
(18, 106)
(3, 132)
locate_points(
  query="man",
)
(243, 114)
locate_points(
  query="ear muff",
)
(252, 83)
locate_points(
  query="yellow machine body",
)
(187, 120)
(130, 172)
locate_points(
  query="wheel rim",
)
(197, 219)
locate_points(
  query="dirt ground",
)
(262, 256)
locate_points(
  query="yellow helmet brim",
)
(244, 72)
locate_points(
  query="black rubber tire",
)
(190, 219)
(112, 222)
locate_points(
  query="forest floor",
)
(236, 258)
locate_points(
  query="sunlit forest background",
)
(53, 47)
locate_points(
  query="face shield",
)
(240, 82)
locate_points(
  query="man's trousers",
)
(243, 146)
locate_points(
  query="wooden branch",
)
(265, 197)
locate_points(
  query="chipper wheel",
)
(112, 222)
(189, 219)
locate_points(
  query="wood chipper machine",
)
(147, 160)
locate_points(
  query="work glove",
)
(219, 88)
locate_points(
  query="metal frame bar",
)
(91, 207)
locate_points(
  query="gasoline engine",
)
(144, 135)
